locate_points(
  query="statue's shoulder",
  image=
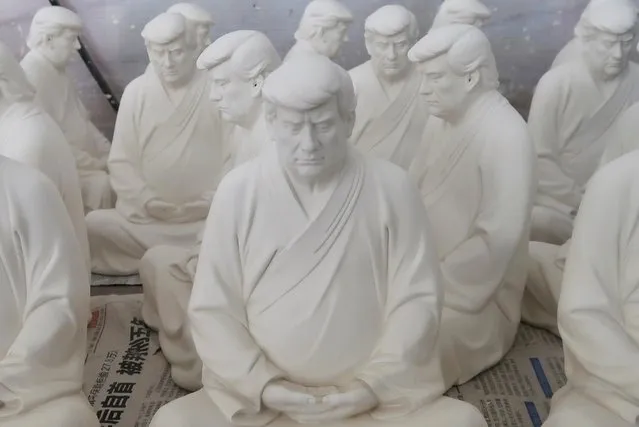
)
(361, 70)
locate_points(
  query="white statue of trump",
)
(237, 64)
(390, 115)
(475, 172)
(317, 295)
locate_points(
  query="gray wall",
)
(526, 35)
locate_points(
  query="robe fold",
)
(570, 126)
(547, 261)
(44, 305)
(173, 153)
(59, 98)
(167, 275)
(597, 312)
(351, 294)
(477, 184)
(389, 129)
(29, 136)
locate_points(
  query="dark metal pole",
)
(95, 72)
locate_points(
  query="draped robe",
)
(29, 136)
(59, 98)
(163, 151)
(353, 293)
(389, 128)
(44, 302)
(477, 184)
(597, 318)
(570, 125)
(547, 261)
(167, 275)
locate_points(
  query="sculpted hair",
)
(51, 21)
(14, 84)
(391, 20)
(165, 28)
(466, 47)
(460, 12)
(320, 15)
(192, 12)
(250, 53)
(305, 83)
(608, 16)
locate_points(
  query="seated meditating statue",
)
(29, 136)
(237, 64)
(574, 110)
(475, 172)
(43, 308)
(470, 12)
(390, 115)
(199, 22)
(53, 40)
(322, 29)
(167, 155)
(598, 305)
(317, 295)
(547, 261)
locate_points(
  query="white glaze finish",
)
(166, 159)
(390, 115)
(475, 173)
(574, 111)
(597, 307)
(44, 302)
(52, 42)
(264, 326)
(237, 65)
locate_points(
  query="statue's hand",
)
(161, 210)
(197, 209)
(285, 396)
(349, 401)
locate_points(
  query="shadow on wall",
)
(526, 35)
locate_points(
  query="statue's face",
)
(173, 62)
(311, 144)
(446, 92)
(330, 40)
(608, 54)
(234, 97)
(389, 54)
(59, 49)
(202, 36)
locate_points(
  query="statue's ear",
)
(472, 80)
(256, 86)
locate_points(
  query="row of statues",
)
(317, 245)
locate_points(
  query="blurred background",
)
(525, 34)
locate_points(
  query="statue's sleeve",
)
(475, 270)
(599, 281)
(46, 359)
(404, 371)
(235, 369)
(544, 124)
(624, 136)
(125, 159)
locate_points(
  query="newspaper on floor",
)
(102, 280)
(127, 378)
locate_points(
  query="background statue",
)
(475, 172)
(322, 29)
(28, 135)
(199, 23)
(574, 109)
(390, 115)
(44, 306)
(303, 310)
(166, 159)
(237, 64)
(470, 12)
(53, 40)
